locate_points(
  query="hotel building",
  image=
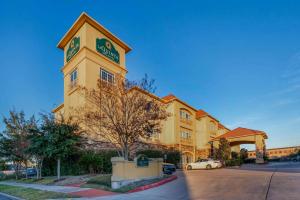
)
(277, 152)
(92, 52)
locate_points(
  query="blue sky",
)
(238, 60)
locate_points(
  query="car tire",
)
(208, 166)
(189, 167)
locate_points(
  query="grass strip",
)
(31, 194)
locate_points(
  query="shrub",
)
(233, 162)
(6, 177)
(97, 162)
(173, 156)
(151, 153)
(81, 162)
(249, 160)
(234, 155)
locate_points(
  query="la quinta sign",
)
(74, 47)
(106, 48)
(142, 161)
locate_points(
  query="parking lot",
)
(274, 181)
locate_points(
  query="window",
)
(73, 78)
(185, 115)
(212, 126)
(106, 76)
(185, 134)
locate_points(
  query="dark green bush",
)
(151, 153)
(233, 162)
(249, 160)
(3, 165)
(81, 162)
(172, 156)
(234, 155)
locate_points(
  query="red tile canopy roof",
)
(240, 132)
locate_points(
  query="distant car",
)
(204, 164)
(8, 172)
(296, 159)
(168, 168)
(30, 172)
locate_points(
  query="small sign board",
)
(73, 48)
(142, 161)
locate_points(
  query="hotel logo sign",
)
(106, 48)
(73, 48)
(142, 161)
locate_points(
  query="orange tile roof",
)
(239, 132)
(221, 126)
(169, 98)
(201, 113)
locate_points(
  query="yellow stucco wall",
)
(124, 171)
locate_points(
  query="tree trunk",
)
(16, 170)
(41, 166)
(126, 152)
(58, 168)
(26, 165)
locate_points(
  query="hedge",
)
(82, 162)
(173, 156)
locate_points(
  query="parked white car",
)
(204, 164)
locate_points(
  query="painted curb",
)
(152, 185)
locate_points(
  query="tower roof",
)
(85, 18)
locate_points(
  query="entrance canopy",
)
(241, 135)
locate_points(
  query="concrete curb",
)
(11, 197)
(152, 185)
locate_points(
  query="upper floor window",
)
(212, 126)
(184, 115)
(185, 134)
(107, 76)
(73, 78)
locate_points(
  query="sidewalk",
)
(83, 192)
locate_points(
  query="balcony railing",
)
(186, 121)
(73, 85)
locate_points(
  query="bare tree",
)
(122, 113)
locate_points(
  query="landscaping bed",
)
(104, 182)
(32, 194)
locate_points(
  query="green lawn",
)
(31, 194)
(44, 180)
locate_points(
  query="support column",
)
(260, 148)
